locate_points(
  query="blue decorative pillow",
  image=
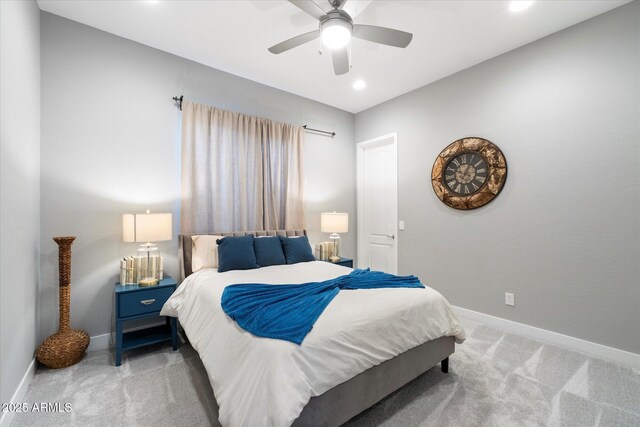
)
(297, 249)
(269, 251)
(236, 253)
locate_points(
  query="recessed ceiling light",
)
(519, 5)
(359, 84)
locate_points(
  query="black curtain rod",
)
(178, 101)
(324, 132)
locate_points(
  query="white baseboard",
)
(18, 396)
(99, 342)
(560, 340)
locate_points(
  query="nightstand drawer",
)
(147, 301)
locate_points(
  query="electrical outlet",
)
(401, 225)
(509, 299)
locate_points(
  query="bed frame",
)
(344, 401)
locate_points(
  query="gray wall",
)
(111, 144)
(564, 234)
(20, 189)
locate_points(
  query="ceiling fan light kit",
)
(336, 29)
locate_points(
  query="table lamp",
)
(334, 223)
(147, 228)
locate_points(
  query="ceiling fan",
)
(336, 29)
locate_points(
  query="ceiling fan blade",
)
(340, 61)
(310, 7)
(294, 42)
(355, 8)
(382, 35)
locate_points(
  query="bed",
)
(367, 344)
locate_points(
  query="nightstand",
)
(345, 262)
(139, 302)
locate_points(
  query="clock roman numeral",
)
(465, 174)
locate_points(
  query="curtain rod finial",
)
(178, 101)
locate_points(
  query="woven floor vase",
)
(67, 346)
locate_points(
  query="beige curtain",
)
(239, 172)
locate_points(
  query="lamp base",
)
(150, 274)
(335, 237)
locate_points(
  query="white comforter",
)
(267, 382)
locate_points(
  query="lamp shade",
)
(147, 227)
(334, 222)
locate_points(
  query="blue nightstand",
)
(139, 302)
(345, 262)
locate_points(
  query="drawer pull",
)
(148, 301)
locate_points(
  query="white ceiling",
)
(234, 35)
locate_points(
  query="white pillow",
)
(204, 253)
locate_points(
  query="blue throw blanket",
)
(288, 312)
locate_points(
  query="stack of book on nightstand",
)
(134, 268)
(324, 251)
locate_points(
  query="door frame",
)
(360, 147)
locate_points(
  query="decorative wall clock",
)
(469, 173)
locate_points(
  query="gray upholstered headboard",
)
(185, 245)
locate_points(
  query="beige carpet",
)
(495, 379)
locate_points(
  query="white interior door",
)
(378, 204)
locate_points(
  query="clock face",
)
(466, 173)
(469, 173)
